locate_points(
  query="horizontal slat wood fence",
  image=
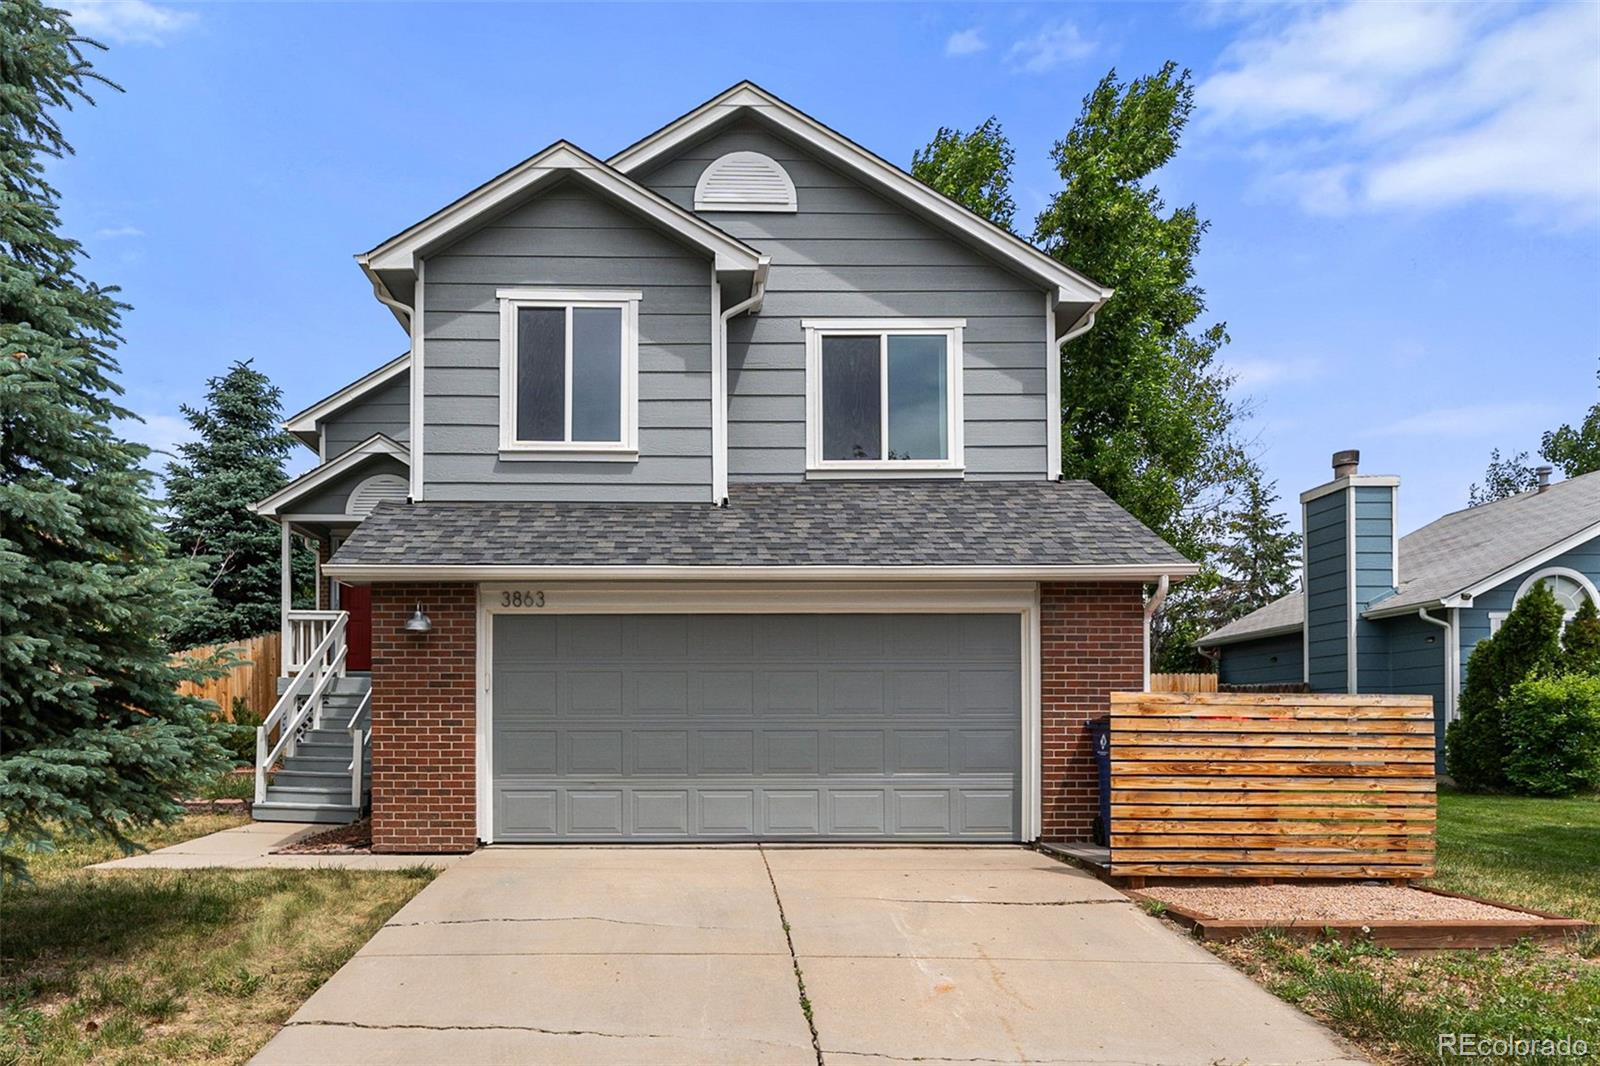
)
(1271, 786)
(1183, 682)
(255, 678)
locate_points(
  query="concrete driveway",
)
(744, 954)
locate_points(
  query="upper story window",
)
(883, 397)
(1569, 587)
(568, 374)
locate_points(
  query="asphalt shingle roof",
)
(1457, 551)
(902, 523)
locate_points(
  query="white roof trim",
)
(373, 447)
(1209, 641)
(1382, 481)
(400, 251)
(483, 572)
(1539, 558)
(1072, 286)
(306, 421)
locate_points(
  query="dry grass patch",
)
(175, 966)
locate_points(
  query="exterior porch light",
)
(419, 622)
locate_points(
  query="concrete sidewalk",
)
(250, 847)
(696, 955)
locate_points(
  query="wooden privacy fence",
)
(255, 678)
(1183, 682)
(1271, 786)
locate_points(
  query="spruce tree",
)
(1580, 642)
(94, 739)
(236, 459)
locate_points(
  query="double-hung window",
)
(569, 374)
(883, 397)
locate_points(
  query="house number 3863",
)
(521, 598)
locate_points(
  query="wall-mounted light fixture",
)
(419, 622)
(1432, 640)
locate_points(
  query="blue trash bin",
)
(1099, 730)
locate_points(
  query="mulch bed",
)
(215, 806)
(352, 839)
(1389, 915)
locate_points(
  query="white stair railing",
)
(290, 715)
(306, 631)
(359, 737)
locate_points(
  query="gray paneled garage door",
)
(764, 726)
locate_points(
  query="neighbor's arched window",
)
(1569, 587)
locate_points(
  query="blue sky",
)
(1404, 199)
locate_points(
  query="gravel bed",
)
(1339, 904)
(352, 839)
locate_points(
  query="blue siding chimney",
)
(1349, 564)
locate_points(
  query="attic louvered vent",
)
(373, 491)
(744, 181)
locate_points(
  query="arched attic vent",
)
(744, 181)
(373, 491)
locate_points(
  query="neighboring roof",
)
(376, 446)
(304, 424)
(1462, 555)
(1036, 530)
(747, 96)
(561, 159)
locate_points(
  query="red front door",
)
(357, 599)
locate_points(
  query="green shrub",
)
(1580, 644)
(1528, 643)
(1555, 734)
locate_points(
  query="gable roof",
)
(1462, 555)
(376, 446)
(561, 159)
(749, 98)
(303, 424)
(1022, 529)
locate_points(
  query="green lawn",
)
(179, 966)
(1543, 854)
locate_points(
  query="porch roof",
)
(1037, 530)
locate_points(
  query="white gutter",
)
(1151, 606)
(1452, 657)
(1085, 324)
(1053, 386)
(361, 572)
(719, 377)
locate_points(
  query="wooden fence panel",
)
(1279, 786)
(1183, 682)
(255, 678)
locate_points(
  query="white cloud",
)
(127, 21)
(965, 43)
(1470, 420)
(1249, 373)
(1054, 44)
(111, 233)
(1418, 106)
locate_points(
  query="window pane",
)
(1568, 593)
(852, 424)
(597, 374)
(917, 398)
(541, 373)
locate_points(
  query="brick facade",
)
(424, 715)
(424, 707)
(1092, 644)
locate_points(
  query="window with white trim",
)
(883, 397)
(1569, 587)
(568, 374)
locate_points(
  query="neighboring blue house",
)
(1422, 601)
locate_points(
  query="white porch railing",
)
(312, 679)
(359, 737)
(304, 632)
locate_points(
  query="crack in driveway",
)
(799, 978)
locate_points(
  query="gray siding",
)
(385, 410)
(568, 237)
(1268, 661)
(332, 497)
(848, 252)
(1327, 593)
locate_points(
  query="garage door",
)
(774, 727)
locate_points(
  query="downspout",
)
(1452, 653)
(382, 294)
(414, 415)
(1053, 386)
(1151, 606)
(719, 411)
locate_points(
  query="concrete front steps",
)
(313, 784)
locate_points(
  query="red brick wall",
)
(424, 713)
(1092, 638)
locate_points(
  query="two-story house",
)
(718, 496)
